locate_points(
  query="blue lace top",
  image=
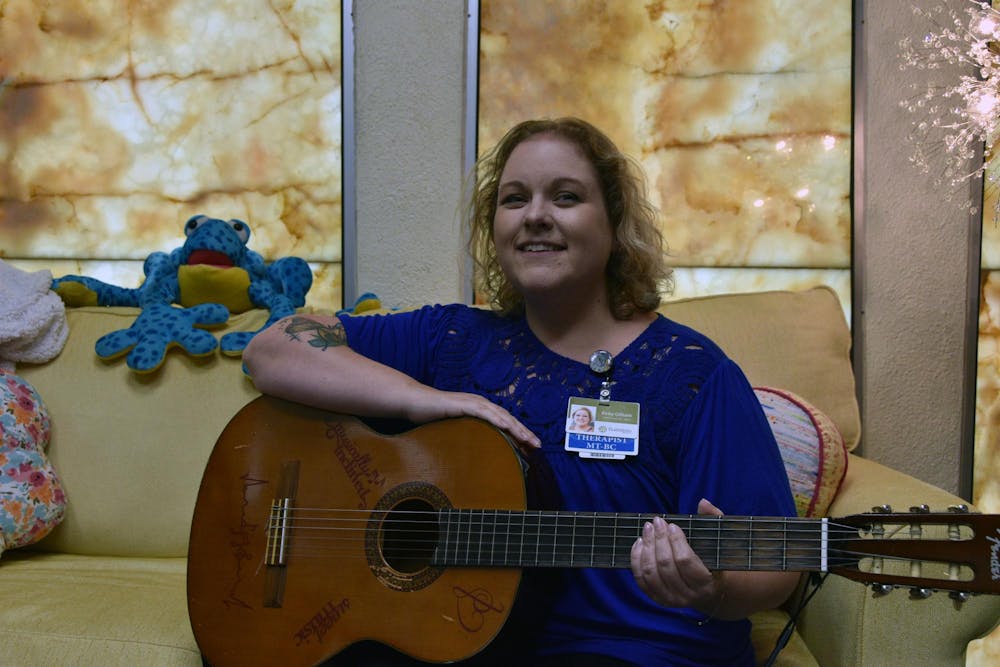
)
(702, 435)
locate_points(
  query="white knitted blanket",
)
(33, 325)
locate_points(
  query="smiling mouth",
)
(539, 247)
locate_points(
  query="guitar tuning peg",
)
(959, 509)
(882, 509)
(959, 596)
(920, 509)
(920, 593)
(882, 589)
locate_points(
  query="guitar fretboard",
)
(505, 538)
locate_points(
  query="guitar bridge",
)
(279, 533)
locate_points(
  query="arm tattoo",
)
(320, 335)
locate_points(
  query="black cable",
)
(816, 580)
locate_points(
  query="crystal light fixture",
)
(959, 116)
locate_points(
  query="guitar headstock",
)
(956, 551)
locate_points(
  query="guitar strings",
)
(415, 534)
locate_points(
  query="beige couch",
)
(107, 587)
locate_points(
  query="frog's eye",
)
(194, 223)
(241, 228)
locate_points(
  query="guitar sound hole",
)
(409, 534)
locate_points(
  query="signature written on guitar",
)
(240, 540)
(321, 623)
(357, 465)
(473, 606)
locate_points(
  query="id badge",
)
(602, 429)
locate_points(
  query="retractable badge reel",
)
(606, 429)
(601, 363)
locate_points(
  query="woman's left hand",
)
(668, 570)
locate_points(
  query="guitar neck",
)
(506, 538)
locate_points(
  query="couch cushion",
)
(811, 447)
(798, 341)
(109, 611)
(143, 615)
(131, 447)
(767, 628)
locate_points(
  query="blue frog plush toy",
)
(195, 286)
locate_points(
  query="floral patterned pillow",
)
(32, 501)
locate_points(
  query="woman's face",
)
(551, 227)
(581, 418)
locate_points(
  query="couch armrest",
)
(845, 624)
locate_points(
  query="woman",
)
(581, 420)
(573, 263)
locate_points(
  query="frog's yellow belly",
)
(204, 283)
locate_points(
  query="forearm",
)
(743, 593)
(305, 358)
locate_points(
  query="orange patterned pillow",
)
(812, 448)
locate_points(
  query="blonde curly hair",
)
(637, 271)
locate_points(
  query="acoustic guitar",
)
(312, 532)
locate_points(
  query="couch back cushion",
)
(797, 341)
(130, 448)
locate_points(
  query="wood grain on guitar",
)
(312, 532)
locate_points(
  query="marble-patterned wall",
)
(121, 119)
(986, 456)
(986, 473)
(986, 477)
(739, 112)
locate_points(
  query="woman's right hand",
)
(432, 404)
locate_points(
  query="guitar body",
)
(270, 582)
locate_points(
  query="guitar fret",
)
(520, 542)
(749, 543)
(559, 539)
(468, 534)
(614, 541)
(493, 538)
(718, 545)
(506, 540)
(639, 521)
(555, 536)
(479, 546)
(546, 546)
(593, 538)
(538, 535)
(823, 557)
(456, 540)
(784, 544)
(572, 542)
(442, 551)
(483, 523)
(442, 546)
